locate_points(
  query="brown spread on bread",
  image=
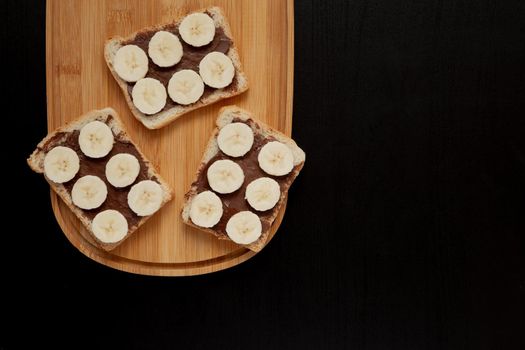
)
(236, 202)
(191, 58)
(116, 197)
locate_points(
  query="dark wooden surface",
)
(404, 231)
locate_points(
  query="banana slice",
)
(216, 70)
(145, 197)
(165, 49)
(149, 95)
(235, 139)
(61, 164)
(225, 176)
(263, 194)
(244, 227)
(185, 87)
(89, 192)
(122, 169)
(109, 226)
(206, 209)
(131, 63)
(275, 158)
(95, 139)
(197, 29)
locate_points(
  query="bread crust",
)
(36, 163)
(163, 118)
(226, 115)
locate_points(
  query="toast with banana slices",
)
(102, 176)
(243, 179)
(168, 70)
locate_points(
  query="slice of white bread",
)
(111, 118)
(155, 121)
(226, 116)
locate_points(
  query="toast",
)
(262, 134)
(172, 110)
(67, 136)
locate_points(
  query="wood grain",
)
(78, 80)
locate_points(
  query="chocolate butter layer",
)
(117, 198)
(191, 58)
(235, 202)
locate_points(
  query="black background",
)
(405, 229)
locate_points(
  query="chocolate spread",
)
(191, 58)
(235, 202)
(117, 198)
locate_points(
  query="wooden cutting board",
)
(78, 80)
